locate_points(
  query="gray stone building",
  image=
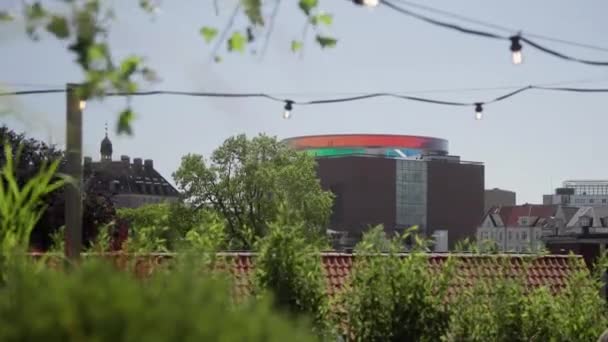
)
(498, 198)
(128, 184)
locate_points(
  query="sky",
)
(529, 144)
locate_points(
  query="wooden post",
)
(73, 189)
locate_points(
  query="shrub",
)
(94, 302)
(505, 310)
(170, 227)
(288, 266)
(21, 206)
(392, 297)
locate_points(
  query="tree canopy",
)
(247, 180)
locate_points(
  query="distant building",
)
(129, 185)
(580, 193)
(498, 198)
(585, 233)
(520, 228)
(398, 181)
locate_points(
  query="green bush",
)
(21, 206)
(393, 297)
(94, 302)
(172, 227)
(505, 310)
(289, 267)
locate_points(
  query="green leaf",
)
(129, 66)
(208, 33)
(35, 11)
(323, 18)
(307, 5)
(97, 52)
(5, 16)
(237, 42)
(59, 27)
(124, 122)
(296, 45)
(326, 42)
(253, 10)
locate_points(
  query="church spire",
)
(106, 147)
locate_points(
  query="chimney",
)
(125, 160)
(148, 164)
(137, 163)
(87, 164)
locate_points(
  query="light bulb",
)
(516, 47)
(288, 107)
(517, 57)
(82, 104)
(478, 111)
(367, 3)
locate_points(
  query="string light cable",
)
(290, 103)
(499, 27)
(515, 40)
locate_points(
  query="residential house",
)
(520, 228)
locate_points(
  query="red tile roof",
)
(545, 270)
(548, 270)
(510, 214)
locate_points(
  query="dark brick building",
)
(397, 181)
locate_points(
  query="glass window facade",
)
(588, 187)
(411, 192)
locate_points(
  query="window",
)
(524, 235)
(510, 236)
(591, 200)
(603, 200)
(500, 236)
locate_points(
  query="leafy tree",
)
(246, 181)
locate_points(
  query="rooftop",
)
(368, 144)
(544, 270)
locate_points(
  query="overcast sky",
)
(529, 144)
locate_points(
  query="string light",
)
(486, 34)
(288, 108)
(367, 3)
(478, 111)
(516, 50)
(288, 104)
(82, 104)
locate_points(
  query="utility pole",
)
(73, 189)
